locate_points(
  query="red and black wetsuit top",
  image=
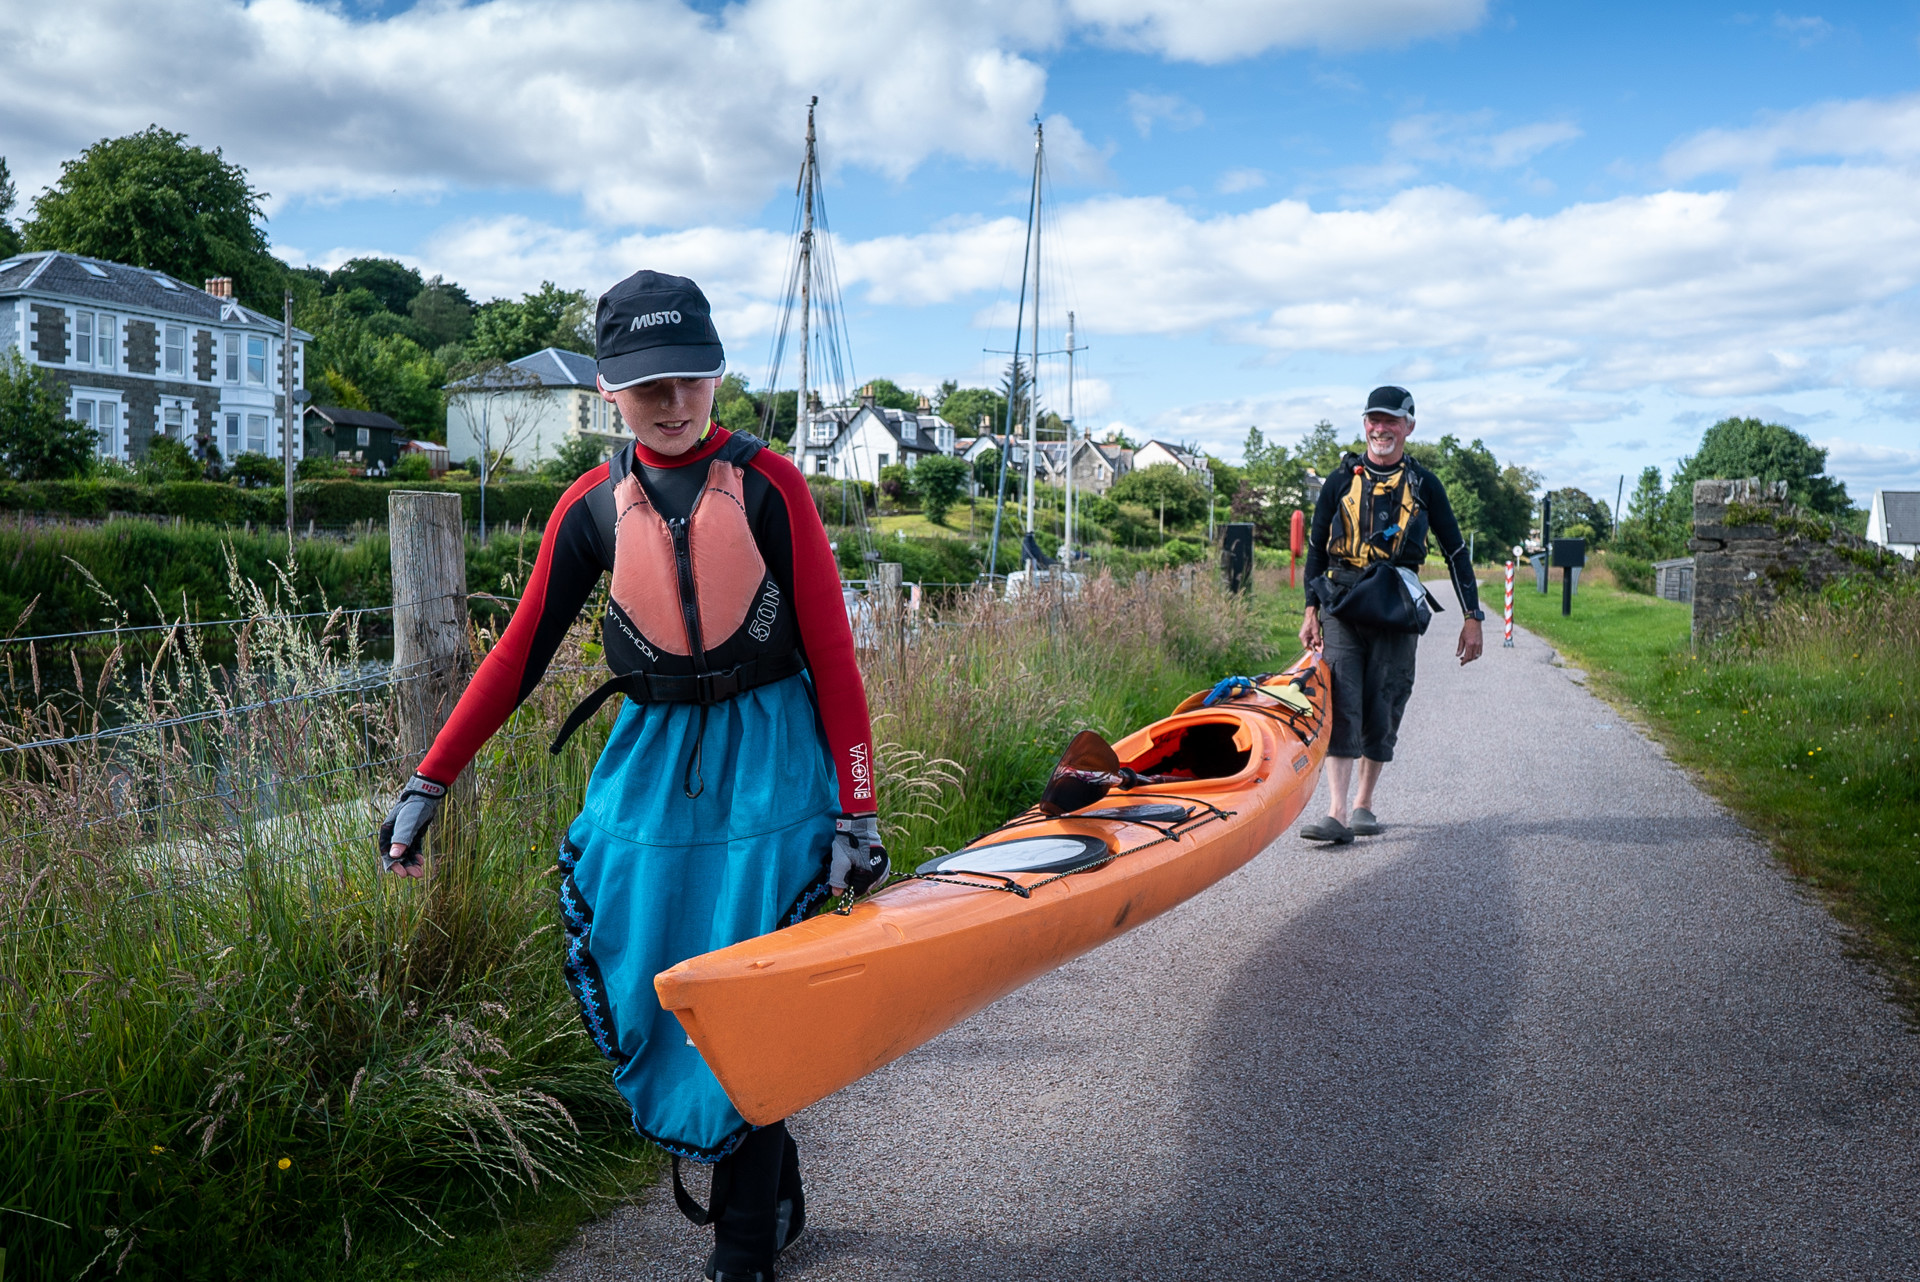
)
(716, 562)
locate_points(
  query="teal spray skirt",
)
(653, 877)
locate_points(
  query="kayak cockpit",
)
(1197, 749)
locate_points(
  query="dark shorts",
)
(1372, 677)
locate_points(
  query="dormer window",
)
(92, 270)
(909, 429)
(821, 433)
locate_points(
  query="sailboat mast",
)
(802, 428)
(1066, 524)
(1033, 364)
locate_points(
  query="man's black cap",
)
(1397, 401)
(655, 326)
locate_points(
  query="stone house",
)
(1095, 466)
(853, 442)
(530, 408)
(140, 355)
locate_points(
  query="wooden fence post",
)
(431, 657)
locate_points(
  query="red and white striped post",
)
(1508, 643)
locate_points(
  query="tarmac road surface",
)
(1564, 1019)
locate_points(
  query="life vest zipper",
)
(689, 604)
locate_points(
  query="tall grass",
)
(229, 1048)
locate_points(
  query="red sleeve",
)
(826, 637)
(570, 563)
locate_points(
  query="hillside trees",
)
(152, 200)
(10, 242)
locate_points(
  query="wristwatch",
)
(1477, 614)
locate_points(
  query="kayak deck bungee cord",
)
(787, 1018)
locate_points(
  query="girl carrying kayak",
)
(736, 789)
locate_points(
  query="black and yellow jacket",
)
(1369, 513)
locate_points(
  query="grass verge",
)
(1805, 724)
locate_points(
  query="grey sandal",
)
(1327, 828)
(1364, 824)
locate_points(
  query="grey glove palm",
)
(859, 861)
(407, 822)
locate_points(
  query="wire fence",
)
(170, 774)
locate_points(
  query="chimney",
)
(220, 286)
(813, 400)
(866, 397)
(986, 424)
(925, 406)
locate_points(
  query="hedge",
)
(330, 503)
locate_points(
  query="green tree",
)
(1576, 507)
(10, 242)
(1739, 447)
(1494, 504)
(361, 351)
(252, 470)
(443, 312)
(393, 283)
(411, 466)
(965, 406)
(1165, 490)
(1649, 529)
(941, 479)
(547, 317)
(890, 395)
(152, 200)
(1271, 489)
(1321, 448)
(735, 408)
(578, 455)
(38, 442)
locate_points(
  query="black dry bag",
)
(1386, 598)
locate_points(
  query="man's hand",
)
(1310, 636)
(859, 862)
(1469, 647)
(398, 844)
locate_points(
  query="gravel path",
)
(1555, 1023)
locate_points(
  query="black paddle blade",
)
(1086, 773)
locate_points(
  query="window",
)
(820, 464)
(173, 419)
(909, 429)
(256, 431)
(882, 462)
(102, 414)
(83, 340)
(174, 356)
(93, 340)
(362, 436)
(821, 432)
(92, 270)
(233, 437)
(256, 360)
(230, 343)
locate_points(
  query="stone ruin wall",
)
(1751, 546)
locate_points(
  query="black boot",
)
(746, 1231)
(790, 1213)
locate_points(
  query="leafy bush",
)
(319, 467)
(940, 479)
(38, 442)
(896, 482)
(253, 469)
(167, 460)
(411, 466)
(1163, 488)
(1632, 573)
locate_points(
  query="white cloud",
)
(1802, 31)
(1216, 31)
(1146, 109)
(1235, 181)
(652, 112)
(1860, 129)
(1465, 140)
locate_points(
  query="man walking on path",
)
(1376, 509)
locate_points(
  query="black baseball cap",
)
(652, 326)
(1397, 401)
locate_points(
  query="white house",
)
(1154, 453)
(141, 355)
(528, 409)
(1893, 521)
(853, 442)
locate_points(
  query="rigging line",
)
(1013, 385)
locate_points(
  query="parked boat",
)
(788, 1018)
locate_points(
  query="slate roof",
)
(552, 366)
(75, 278)
(1901, 509)
(340, 417)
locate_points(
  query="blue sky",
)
(1582, 234)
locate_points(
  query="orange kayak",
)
(788, 1018)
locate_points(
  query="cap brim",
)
(708, 360)
(1381, 409)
